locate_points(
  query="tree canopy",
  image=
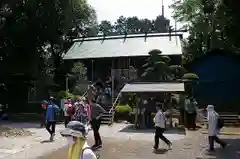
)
(36, 33)
(134, 25)
(211, 24)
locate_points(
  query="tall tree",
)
(210, 23)
(105, 27)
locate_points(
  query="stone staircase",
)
(108, 117)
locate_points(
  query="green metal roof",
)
(124, 46)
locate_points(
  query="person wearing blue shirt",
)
(51, 118)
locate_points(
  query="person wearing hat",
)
(213, 128)
(76, 133)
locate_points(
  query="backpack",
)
(97, 155)
(107, 91)
(220, 123)
(80, 113)
(56, 112)
(70, 110)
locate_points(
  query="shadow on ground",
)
(230, 152)
(132, 129)
(160, 151)
(46, 141)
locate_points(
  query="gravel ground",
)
(192, 147)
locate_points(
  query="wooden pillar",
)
(112, 77)
(67, 83)
(136, 113)
(92, 71)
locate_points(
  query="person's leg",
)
(220, 142)
(188, 120)
(194, 121)
(53, 125)
(66, 120)
(211, 143)
(156, 138)
(42, 121)
(94, 128)
(146, 119)
(99, 140)
(48, 124)
(149, 119)
(163, 138)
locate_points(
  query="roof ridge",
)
(128, 36)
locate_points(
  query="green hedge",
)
(65, 95)
(123, 109)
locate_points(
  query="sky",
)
(111, 9)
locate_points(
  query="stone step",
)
(105, 122)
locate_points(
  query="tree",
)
(78, 80)
(34, 37)
(209, 24)
(105, 27)
(134, 25)
(161, 24)
(121, 25)
(158, 67)
(36, 29)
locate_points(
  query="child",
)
(76, 133)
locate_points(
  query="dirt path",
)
(190, 148)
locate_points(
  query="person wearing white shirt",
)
(213, 129)
(160, 125)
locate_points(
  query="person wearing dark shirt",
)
(44, 107)
(96, 113)
(51, 118)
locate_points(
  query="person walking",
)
(43, 114)
(80, 112)
(160, 125)
(52, 112)
(68, 111)
(97, 112)
(191, 110)
(213, 128)
(76, 133)
(147, 113)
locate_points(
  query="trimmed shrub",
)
(122, 112)
(65, 95)
(123, 109)
(190, 76)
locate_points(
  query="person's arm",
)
(88, 154)
(156, 118)
(101, 110)
(56, 108)
(186, 102)
(47, 114)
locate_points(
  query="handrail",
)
(114, 103)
